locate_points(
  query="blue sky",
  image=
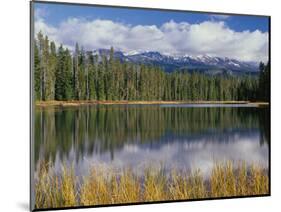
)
(58, 12)
(53, 18)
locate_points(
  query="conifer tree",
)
(37, 73)
(41, 65)
(82, 75)
(91, 84)
(60, 76)
(52, 64)
(75, 80)
(69, 93)
(101, 79)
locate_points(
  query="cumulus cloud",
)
(40, 13)
(214, 38)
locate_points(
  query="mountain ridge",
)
(201, 63)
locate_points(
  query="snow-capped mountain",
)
(202, 63)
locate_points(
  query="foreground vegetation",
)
(106, 187)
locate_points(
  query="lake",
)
(181, 137)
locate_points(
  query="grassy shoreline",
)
(107, 102)
(99, 187)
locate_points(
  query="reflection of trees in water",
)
(264, 121)
(107, 128)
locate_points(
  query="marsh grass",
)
(109, 187)
(258, 181)
(55, 191)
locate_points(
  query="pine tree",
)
(60, 76)
(101, 79)
(41, 65)
(52, 64)
(110, 76)
(91, 83)
(47, 75)
(264, 82)
(75, 80)
(82, 75)
(37, 72)
(69, 94)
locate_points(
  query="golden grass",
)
(109, 187)
(55, 191)
(154, 186)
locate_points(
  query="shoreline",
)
(123, 102)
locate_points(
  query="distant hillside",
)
(203, 64)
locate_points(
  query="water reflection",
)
(139, 136)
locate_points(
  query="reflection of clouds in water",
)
(182, 153)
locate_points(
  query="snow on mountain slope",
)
(202, 63)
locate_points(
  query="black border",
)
(31, 108)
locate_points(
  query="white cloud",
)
(182, 154)
(40, 13)
(209, 37)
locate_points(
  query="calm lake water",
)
(139, 136)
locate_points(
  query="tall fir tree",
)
(75, 79)
(69, 93)
(37, 72)
(60, 75)
(52, 64)
(82, 75)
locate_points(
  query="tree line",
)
(60, 74)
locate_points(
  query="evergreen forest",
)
(60, 74)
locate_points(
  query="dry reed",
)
(107, 187)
